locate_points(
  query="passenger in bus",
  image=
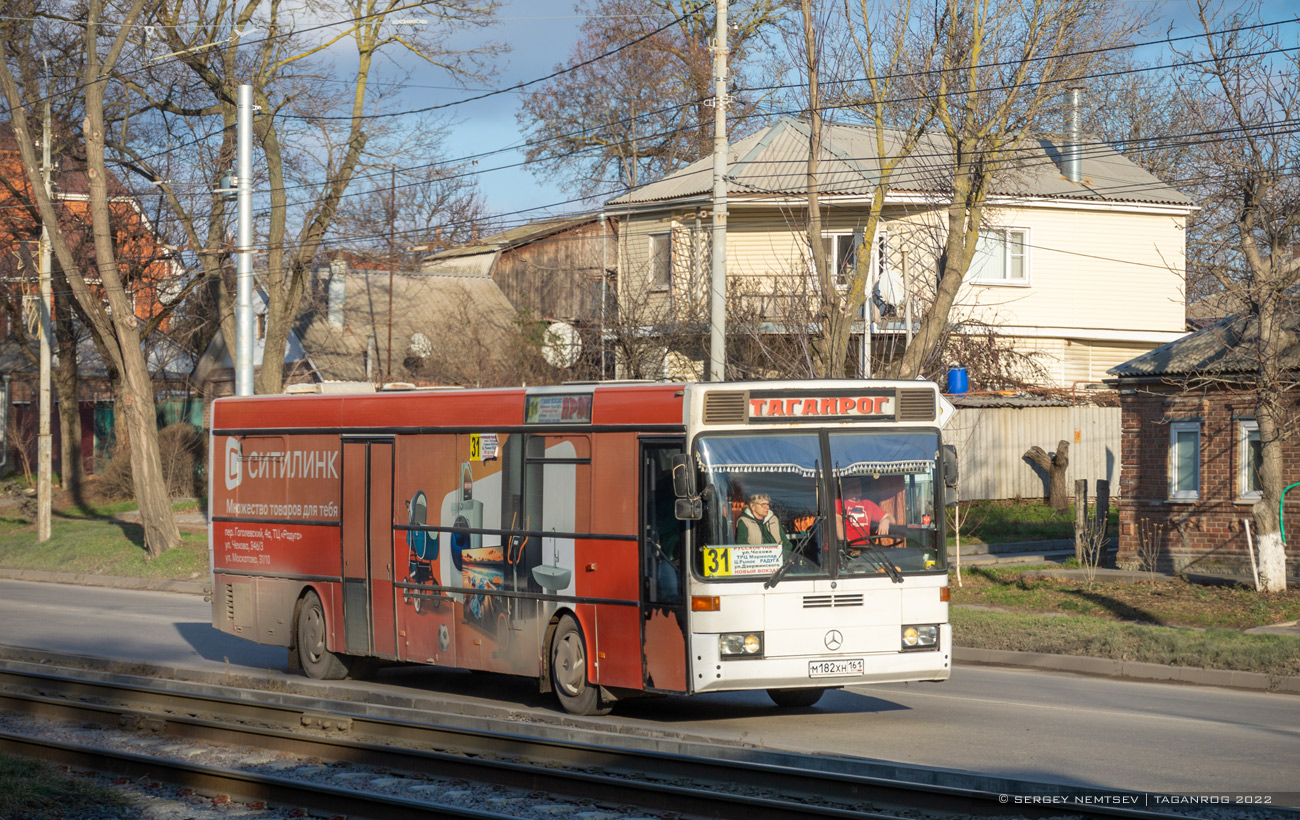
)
(757, 523)
(857, 517)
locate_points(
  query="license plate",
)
(835, 668)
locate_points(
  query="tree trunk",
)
(68, 387)
(1054, 465)
(135, 386)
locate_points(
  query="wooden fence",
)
(991, 444)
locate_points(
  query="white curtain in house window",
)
(1001, 256)
(1250, 458)
(661, 261)
(1185, 460)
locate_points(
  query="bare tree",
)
(633, 103)
(997, 65)
(1252, 206)
(315, 136)
(429, 207)
(878, 49)
(107, 306)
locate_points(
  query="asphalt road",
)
(1044, 726)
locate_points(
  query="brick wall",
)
(1208, 534)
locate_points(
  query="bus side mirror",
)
(688, 509)
(949, 475)
(683, 479)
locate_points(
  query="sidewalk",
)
(1076, 664)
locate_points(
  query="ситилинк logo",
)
(234, 464)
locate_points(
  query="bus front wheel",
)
(795, 698)
(569, 671)
(317, 661)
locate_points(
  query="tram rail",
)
(650, 780)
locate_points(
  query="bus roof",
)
(658, 406)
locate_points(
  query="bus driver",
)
(858, 517)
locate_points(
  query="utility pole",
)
(244, 271)
(718, 278)
(45, 455)
(392, 264)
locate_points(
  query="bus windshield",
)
(782, 505)
(884, 493)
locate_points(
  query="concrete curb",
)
(1077, 664)
(1133, 670)
(114, 582)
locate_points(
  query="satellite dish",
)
(562, 345)
(170, 289)
(420, 346)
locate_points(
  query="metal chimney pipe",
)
(1073, 154)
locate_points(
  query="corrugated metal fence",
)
(991, 444)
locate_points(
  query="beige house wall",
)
(1091, 270)
(1104, 284)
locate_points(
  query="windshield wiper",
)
(775, 578)
(883, 560)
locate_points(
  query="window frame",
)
(880, 251)
(1176, 427)
(655, 284)
(1245, 427)
(1005, 232)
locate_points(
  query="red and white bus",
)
(609, 540)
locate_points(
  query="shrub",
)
(183, 450)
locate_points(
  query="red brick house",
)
(1190, 452)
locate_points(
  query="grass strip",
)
(92, 547)
(1102, 638)
(36, 790)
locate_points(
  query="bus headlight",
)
(920, 636)
(741, 645)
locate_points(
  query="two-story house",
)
(1078, 276)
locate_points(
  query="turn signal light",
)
(706, 603)
(945, 594)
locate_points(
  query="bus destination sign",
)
(782, 406)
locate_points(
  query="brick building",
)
(1190, 454)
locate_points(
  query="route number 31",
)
(717, 561)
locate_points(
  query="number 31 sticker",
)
(717, 561)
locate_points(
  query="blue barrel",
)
(957, 380)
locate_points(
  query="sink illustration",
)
(553, 577)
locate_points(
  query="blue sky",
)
(541, 34)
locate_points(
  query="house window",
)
(661, 261)
(1185, 460)
(842, 254)
(1001, 257)
(1250, 458)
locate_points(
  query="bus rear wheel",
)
(569, 671)
(317, 661)
(795, 698)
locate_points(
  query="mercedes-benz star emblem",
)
(834, 640)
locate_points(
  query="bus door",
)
(663, 587)
(369, 611)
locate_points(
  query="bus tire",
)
(795, 698)
(317, 661)
(569, 671)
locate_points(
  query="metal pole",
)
(392, 264)
(244, 278)
(907, 298)
(718, 279)
(44, 448)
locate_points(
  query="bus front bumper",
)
(710, 672)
